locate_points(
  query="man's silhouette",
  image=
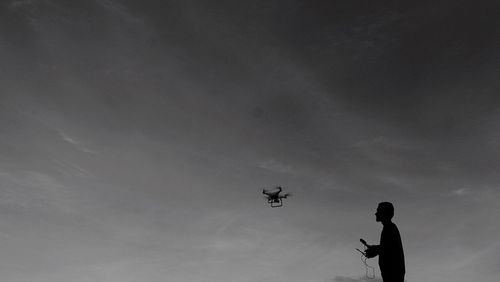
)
(391, 259)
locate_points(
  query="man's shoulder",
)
(391, 227)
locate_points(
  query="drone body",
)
(274, 198)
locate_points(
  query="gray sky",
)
(135, 137)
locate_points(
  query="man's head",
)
(385, 212)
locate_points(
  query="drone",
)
(274, 198)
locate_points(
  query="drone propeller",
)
(272, 190)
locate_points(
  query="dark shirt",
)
(391, 258)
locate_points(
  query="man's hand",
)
(371, 252)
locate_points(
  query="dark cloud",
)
(136, 120)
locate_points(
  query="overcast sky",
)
(136, 136)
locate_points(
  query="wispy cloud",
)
(277, 166)
(31, 189)
(71, 169)
(117, 8)
(461, 192)
(79, 145)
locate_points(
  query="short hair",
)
(387, 208)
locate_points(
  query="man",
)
(391, 259)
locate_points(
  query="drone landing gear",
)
(276, 205)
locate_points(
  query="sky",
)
(136, 136)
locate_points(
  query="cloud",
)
(71, 169)
(118, 9)
(461, 192)
(35, 190)
(277, 166)
(75, 143)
